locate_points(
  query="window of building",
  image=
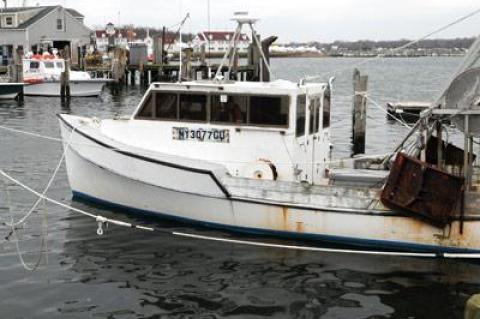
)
(269, 110)
(49, 65)
(300, 116)
(9, 21)
(326, 109)
(147, 108)
(166, 106)
(59, 24)
(193, 107)
(230, 109)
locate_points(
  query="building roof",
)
(220, 36)
(42, 12)
(74, 13)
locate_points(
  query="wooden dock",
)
(406, 111)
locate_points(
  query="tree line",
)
(368, 45)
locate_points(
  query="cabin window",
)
(229, 109)
(59, 65)
(300, 116)
(193, 107)
(147, 108)
(9, 21)
(314, 108)
(49, 65)
(268, 110)
(326, 109)
(34, 65)
(166, 106)
(59, 24)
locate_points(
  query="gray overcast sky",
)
(298, 20)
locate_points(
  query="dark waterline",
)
(133, 274)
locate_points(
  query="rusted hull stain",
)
(361, 226)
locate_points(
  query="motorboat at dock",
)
(42, 78)
(256, 157)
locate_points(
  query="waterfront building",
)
(41, 28)
(218, 41)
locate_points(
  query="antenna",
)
(209, 32)
(241, 18)
(180, 46)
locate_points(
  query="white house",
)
(119, 38)
(218, 41)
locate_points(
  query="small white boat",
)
(255, 157)
(10, 90)
(42, 78)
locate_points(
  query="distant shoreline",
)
(317, 55)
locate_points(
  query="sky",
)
(297, 20)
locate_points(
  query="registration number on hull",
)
(200, 134)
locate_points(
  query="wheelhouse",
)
(217, 108)
(249, 126)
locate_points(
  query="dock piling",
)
(18, 72)
(359, 114)
(65, 75)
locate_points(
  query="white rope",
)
(13, 232)
(49, 184)
(98, 218)
(379, 56)
(381, 108)
(101, 220)
(331, 250)
(30, 133)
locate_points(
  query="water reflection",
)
(192, 278)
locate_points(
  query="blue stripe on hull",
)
(337, 240)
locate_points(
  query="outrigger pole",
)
(471, 60)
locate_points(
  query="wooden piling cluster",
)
(194, 66)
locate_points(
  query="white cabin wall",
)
(245, 147)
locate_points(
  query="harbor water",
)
(129, 273)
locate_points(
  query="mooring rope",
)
(49, 184)
(377, 105)
(98, 218)
(103, 220)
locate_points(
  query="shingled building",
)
(40, 28)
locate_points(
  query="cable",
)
(379, 56)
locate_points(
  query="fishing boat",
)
(42, 78)
(256, 157)
(10, 90)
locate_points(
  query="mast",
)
(241, 18)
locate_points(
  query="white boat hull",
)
(9, 91)
(99, 172)
(82, 88)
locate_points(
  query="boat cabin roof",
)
(278, 87)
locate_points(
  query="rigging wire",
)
(380, 56)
